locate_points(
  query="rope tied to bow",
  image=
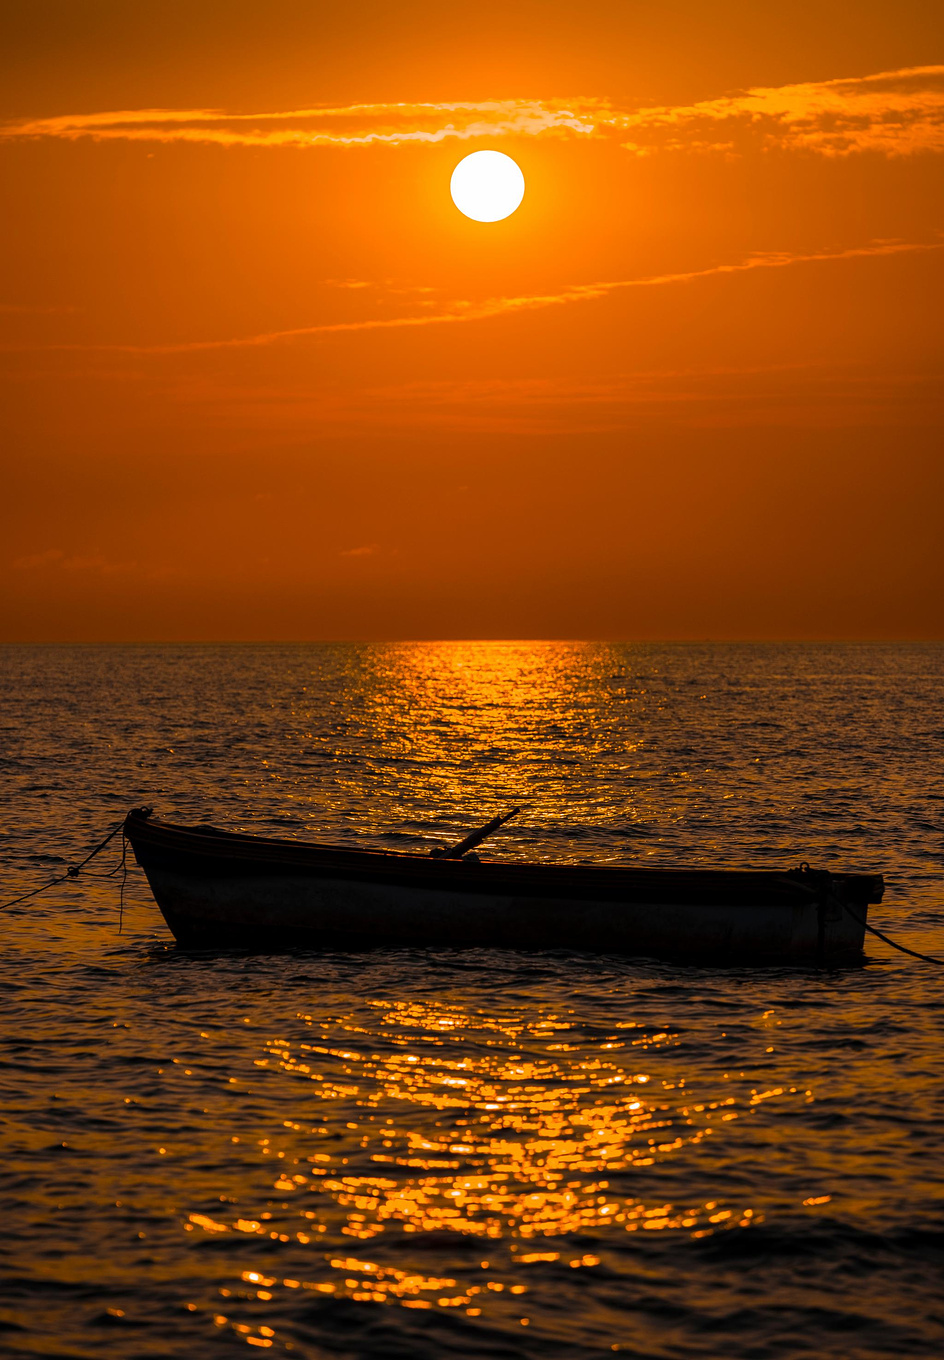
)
(74, 870)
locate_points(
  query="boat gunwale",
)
(205, 846)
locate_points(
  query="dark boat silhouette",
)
(218, 889)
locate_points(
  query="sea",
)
(415, 1154)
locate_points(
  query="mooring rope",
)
(926, 958)
(73, 870)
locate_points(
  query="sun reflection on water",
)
(463, 1126)
(451, 732)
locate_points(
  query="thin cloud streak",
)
(504, 306)
(56, 559)
(894, 113)
(29, 309)
(807, 393)
(355, 125)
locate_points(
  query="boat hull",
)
(221, 891)
(259, 912)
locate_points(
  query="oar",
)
(475, 838)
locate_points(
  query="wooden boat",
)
(219, 890)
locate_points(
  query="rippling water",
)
(481, 1154)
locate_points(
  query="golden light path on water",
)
(529, 1152)
(445, 734)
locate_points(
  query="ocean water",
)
(483, 1154)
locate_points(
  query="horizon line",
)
(804, 641)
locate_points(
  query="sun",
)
(487, 186)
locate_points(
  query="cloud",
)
(55, 557)
(805, 393)
(369, 550)
(28, 309)
(464, 310)
(893, 113)
(354, 125)
(36, 561)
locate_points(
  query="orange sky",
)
(261, 380)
